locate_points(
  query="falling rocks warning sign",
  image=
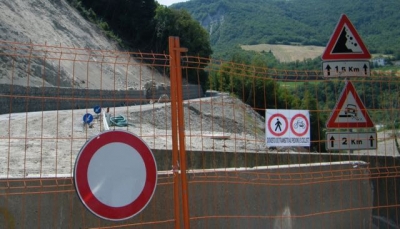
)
(345, 43)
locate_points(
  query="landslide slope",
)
(47, 42)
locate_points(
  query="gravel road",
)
(46, 143)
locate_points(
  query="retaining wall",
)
(278, 203)
(15, 98)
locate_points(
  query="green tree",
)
(132, 20)
(178, 23)
(250, 83)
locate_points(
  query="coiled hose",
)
(119, 120)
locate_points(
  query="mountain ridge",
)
(306, 22)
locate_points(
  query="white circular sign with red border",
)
(299, 125)
(278, 124)
(115, 175)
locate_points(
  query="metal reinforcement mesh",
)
(236, 145)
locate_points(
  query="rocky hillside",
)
(56, 24)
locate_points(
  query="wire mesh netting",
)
(234, 178)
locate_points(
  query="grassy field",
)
(293, 84)
(387, 71)
(288, 53)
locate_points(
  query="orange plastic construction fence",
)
(222, 160)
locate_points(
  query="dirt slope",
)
(55, 23)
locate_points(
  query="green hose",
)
(119, 120)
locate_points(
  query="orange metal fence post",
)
(181, 130)
(177, 115)
(174, 126)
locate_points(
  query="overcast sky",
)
(169, 2)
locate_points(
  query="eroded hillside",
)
(48, 43)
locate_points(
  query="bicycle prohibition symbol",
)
(299, 124)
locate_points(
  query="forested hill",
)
(304, 22)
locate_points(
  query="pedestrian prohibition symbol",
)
(287, 127)
(115, 175)
(277, 124)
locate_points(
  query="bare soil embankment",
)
(48, 43)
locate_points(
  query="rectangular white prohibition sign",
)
(351, 140)
(346, 69)
(287, 127)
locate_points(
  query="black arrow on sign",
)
(328, 69)
(371, 140)
(332, 139)
(365, 69)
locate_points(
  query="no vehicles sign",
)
(287, 127)
(115, 175)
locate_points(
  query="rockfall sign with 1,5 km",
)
(346, 68)
(287, 127)
(346, 55)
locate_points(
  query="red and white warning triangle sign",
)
(345, 43)
(349, 111)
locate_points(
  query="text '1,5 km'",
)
(351, 140)
(346, 68)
